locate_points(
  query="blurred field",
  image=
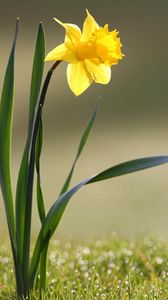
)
(132, 121)
(108, 269)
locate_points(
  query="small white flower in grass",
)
(159, 260)
(86, 251)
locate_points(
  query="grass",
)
(109, 269)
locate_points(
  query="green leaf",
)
(24, 192)
(40, 201)
(130, 167)
(41, 209)
(6, 117)
(56, 211)
(37, 72)
(80, 149)
(43, 267)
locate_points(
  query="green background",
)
(132, 120)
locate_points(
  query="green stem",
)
(27, 229)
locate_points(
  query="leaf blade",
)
(130, 167)
(21, 191)
(37, 72)
(6, 116)
(56, 211)
(82, 143)
(40, 200)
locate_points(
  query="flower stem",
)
(30, 177)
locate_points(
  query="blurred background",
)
(132, 120)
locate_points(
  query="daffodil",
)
(90, 54)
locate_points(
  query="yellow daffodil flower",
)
(90, 53)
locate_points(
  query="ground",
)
(110, 269)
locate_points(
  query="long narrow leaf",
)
(41, 208)
(80, 149)
(130, 167)
(40, 201)
(22, 189)
(43, 267)
(55, 213)
(6, 117)
(37, 72)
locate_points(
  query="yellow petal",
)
(100, 73)
(61, 53)
(78, 78)
(109, 41)
(73, 32)
(89, 27)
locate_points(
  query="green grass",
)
(99, 269)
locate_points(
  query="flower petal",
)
(78, 78)
(73, 32)
(89, 27)
(61, 53)
(100, 73)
